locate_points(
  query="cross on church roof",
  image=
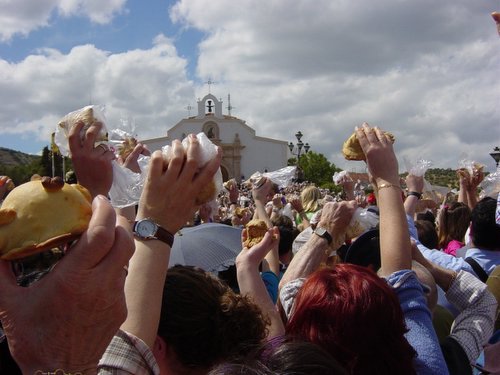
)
(229, 106)
(210, 83)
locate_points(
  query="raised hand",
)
(67, 319)
(380, 157)
(92, 163)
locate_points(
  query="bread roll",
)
(42, 214)
(352, 149)
(256, 230)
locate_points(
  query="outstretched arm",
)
(335, 217)
(474, 325)
(395, 245)
(415, 185)
(271, 261)
(250, 281)
(168, 199)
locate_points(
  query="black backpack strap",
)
(480, 272)
(455, 357)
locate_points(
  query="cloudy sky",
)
(425, 70)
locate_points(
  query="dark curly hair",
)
(204, 321)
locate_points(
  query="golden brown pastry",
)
(85, 115)
(229, 184)
(256, 230)
(42, 214)
(127, 147)
(352, 149)
(206, 194)
(240, 211)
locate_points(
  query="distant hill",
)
(12, 158)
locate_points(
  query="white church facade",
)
(243, 151)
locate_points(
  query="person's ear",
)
(160, 347)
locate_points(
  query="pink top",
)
(452, 247)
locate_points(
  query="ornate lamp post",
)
(496, 155)
(300, 145)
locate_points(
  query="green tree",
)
(317, 169)
(46, 163)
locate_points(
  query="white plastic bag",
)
(127, 185)
(88, 115)
(362, 220)
(339, 177)
(282, 177)
(490, 186)
(417, 167)
(208, 151)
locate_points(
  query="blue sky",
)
(424, 70)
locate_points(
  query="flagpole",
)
(63, 167)
(53, 164)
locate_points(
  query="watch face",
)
(320, 231)
(146, 228)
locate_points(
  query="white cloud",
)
(424, 70)
(326, 66)
(149, 86)
(24, 16)
(97, 11)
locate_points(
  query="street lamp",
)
(300, 145)
(496, 155)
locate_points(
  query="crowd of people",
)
(414, 293)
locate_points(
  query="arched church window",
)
(211, 129)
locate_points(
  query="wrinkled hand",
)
(172, 186)
(130, 161)
(380, 157)
(67, 319)
(336, 216)
(415, 183)
(92, 165)
(254, 256)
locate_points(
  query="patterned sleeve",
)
(288, 293)
(474, 325)
(126, 355)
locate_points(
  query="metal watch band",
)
(322, 232)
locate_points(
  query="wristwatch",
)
(322, 232)
(416, 194)
(147, 229)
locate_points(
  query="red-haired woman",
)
(370, 325)
(356, 316)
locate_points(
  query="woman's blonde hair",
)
(311, 197)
